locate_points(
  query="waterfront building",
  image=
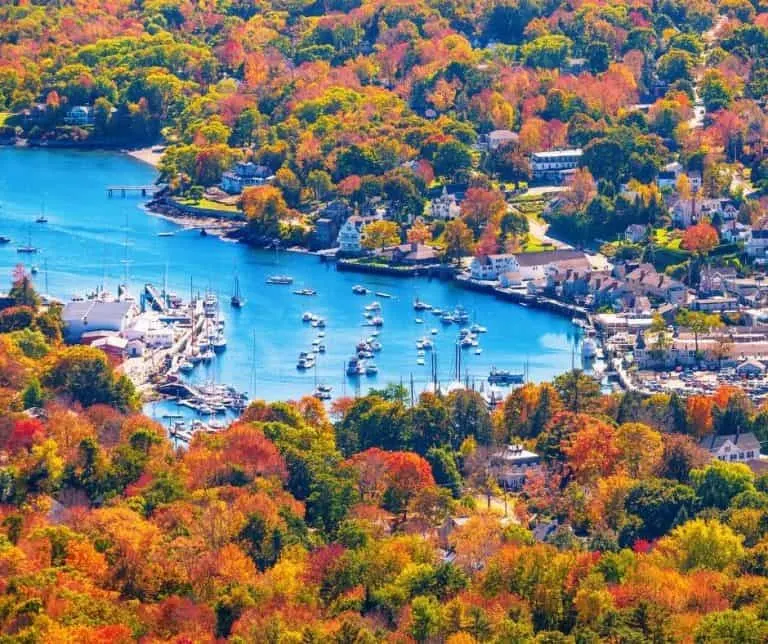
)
(114, 346)
(554, 164)
(645, 280)
(446, 206)
(244, 175)
(351, 236)
(540, 264)
(96, 315)
(411, 254)
(490, 267)
(80, 115)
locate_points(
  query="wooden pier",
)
(124, 191)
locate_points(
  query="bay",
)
(91, 240)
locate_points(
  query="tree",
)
(700, 238)
(419, 233)
(265, 209)
(641, 448)
(717, 483)
(482, 207)
(548, 51)
(699, 322)
(458, 239)
(426, 618)
(319, 181)
(22, 292)
(701, 544)
(592, 451)
(731, 626)
(451, 158)
(381, 234)
(598, 57)
(675, 65)
(578, 391)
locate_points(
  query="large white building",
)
(490, 267)
(96, 315)
(244, 175)
(554, 164)
(351, 235)
(445, 206)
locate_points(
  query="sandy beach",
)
(151, 155)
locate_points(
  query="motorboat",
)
(307, 316)
(466, 342)
(320, 394)
(478, 351)
(42, 219)
(306, 361)
(4, 240)
(433, 331)
(418, 305)
(377, 321)
(446, 318)
(382, 294)
(203, 344)
(420, 360)
(318, 323)
(476, 328)
(427, 344)
(504, 377)
(460, 315)
(419, 321)
(326, 388)
(279, 279)
(321, 348)
(219, 343)
(355, 366)
(168, 233)
(26, 249)
(34, 269)
(305, 291)
(373, 306)
(371, 369)
(437, 312)
(357, 289)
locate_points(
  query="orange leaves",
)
(699, 412)
(481, 207)
(592, 451)
(25, 433)
(240, 451)
(378, 470)
(700, 238)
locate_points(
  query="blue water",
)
(89, 237)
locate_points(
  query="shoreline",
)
(146, 155)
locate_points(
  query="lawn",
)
(208, 205)
(3, 117)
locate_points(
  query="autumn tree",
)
(381, 234)
(700, 238)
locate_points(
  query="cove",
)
(91, 240)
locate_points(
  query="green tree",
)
(731, 626)
(717, 483)
(577, 390)
(426, 618)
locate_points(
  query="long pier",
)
(124, 191)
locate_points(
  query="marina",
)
(82, 248)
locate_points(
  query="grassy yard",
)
(208, 205)
(3, 117)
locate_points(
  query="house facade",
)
(732, 447)
(490, 267)
(80, 115)
(350, 236)
(244, 175)
(551, 166)
(446, 206)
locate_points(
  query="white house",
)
(490, 267)
(244, 175)
(445, 206)
(554, 164)
(96, 315)
(732, 447)
(635, 233)
(80, 115)
(512, 464)
(686, 212)
(671, 172)
(539, 265)
(351, 235)
(757, 239)
(497, 138)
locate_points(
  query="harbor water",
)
(91, 240)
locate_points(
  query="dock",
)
(145, 191)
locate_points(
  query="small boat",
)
(419, 321)
(418, 305)
(219, 343)
(359, 290)
(279, 279)
(371, 369)
(169, 233)
(503, 377)
(420, 361)
(419, 344)
(420, 353)
(307, 316)
(373, 306)
(381, 294)
(318, 323)
(433, 331)
(476, 328)
(325, 388)
(437, 312)
(446, 318)
(237, 300)
(305, 291)
(4, 240)
(320, 394)
(465, 342)
(207, 356)
(34, 269)
(460, 315)
(376, 346)
(321, 348)
(306, 361)
(478, 351)
(427, 344)
(26, 249)
(42, 219)
(355, 366)
(321, 334)
(377, 321)
(185, 366)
